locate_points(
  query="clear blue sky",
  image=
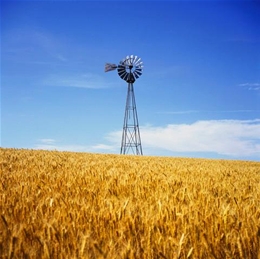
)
(199, 95)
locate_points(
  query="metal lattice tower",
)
(129, 69)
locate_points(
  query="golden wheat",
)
(77, 205)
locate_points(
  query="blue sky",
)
(199, 95)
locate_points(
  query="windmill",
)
(129, 69)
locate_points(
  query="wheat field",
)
(80, 205)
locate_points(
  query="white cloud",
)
(72, 148)
(254, 88)
(179, 112)
(104, 147)
(31, 45)
(235, 138)
(205, 111)
(51, 144)
(86, 80)
(251, 86)
(47, 141)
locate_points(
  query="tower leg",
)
(131, 140)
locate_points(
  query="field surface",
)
(79, 205)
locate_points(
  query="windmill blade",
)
(139, 63)
(139, 69)
(132, 59)
(139, 66)
(120, 66)
(138, 72)
(135, 59)
(121, 69)
(136, 75)
(127, 60)
(122, 73)
(110, 67)
(125, 76)
(138, 60)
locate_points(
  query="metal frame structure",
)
(131, 139)
(129, 69)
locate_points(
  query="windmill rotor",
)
(129, 69)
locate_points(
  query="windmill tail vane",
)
(110, 67)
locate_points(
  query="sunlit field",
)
(79, 205)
